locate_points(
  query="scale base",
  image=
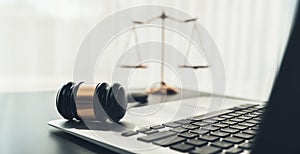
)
(163, 89)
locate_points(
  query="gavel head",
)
(84, 101)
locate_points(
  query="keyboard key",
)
(253, 121)
(229, 122)
(230, 130)
(196, 142)
(234, 151)
(142, 130)
(257, 119)
(172, 124)
(245, 145)
(237, 120)
(182, 147)
(239, 127)
(183, 121)
(247, 124)
(179, 130)
(188, 135)
(190, 126)
(129, 133)
(206, 150)
(249, 110)
(156, 136)
(252, 115)
(208, 138)
(222, 144)
(219, 134)
(260, 111)
(240, 112)
(211, 128)
(233, 140)
(210, 121)
(218, 118)
(200, 131)
(234, 114)
(226, 116)
(257, 113)
(245, 117)
(243, 136)
(220, 125)
(169, 141)
(157, 127)
(200, 123)
(250, 131)
(151, 131)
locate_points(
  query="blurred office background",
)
(40, 38)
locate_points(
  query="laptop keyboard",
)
(227, 131)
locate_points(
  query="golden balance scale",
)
(164, 88)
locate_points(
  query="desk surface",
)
(24, 127)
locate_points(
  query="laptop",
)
(239, 126)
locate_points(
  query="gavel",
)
(95, 102)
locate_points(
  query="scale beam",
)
(194, 66)
(190, 20)
(138, 22)
(164, 16)
(133, 66)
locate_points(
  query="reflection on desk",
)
(24, 127)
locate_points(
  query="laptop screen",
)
(279, 130)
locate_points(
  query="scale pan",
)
(133, 66)
(194, 66)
